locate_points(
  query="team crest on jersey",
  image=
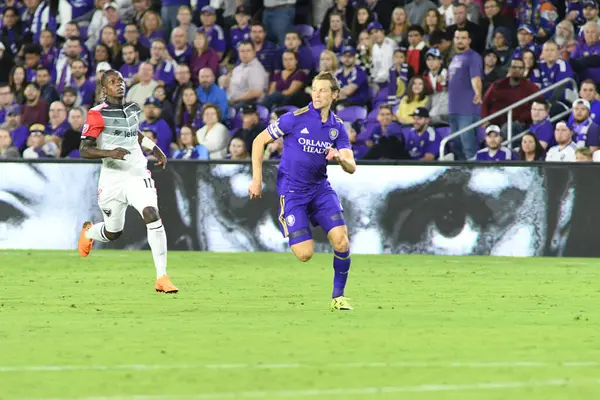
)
(85, 128)
(291, 220)
(107, 211)
(333, 134)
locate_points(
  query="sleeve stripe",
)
(273, 134)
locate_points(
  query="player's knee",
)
(113, 235)
(341, 244)
(304, 255)
(150, 214)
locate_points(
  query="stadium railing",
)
(507, 110)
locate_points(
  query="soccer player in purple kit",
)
(312, 136)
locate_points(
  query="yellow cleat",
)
(340, 303)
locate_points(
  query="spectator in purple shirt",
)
(164, 134)
(57, 121)
(590, 46)
(265, 50)
(69, 97)
(286, 83)
(353, 80)
(586, 132)
(203, 57)
(12, 31)
(293, 42)
(112, 16)
(85, 88)
(49, 50)
(238, 32)
(464, 93)
(214, 33)
(49, 92)
(164, 66)
(587, 91)
(385, 140)
(179, 49)
(132, 36)
(494, 151)
(189, 111)
(338, 36)
(131, 64)
(422, 141)
(32, 54)
(18, 132)
(542, 128)
(151, 28)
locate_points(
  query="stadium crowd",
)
(212, 74)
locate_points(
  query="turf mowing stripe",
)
(346, 391)
(398, 364)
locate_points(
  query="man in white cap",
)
(494, 151)
(586, 132)
(564, 151)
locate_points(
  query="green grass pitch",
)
(258, 326)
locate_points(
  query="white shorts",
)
(116, 193)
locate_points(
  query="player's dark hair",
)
(105, 76)
(328, 76)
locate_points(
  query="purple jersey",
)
(306, 139)
(544, 131)
(164, 135)
(418, 144)
(536, 48)
(60, 129)
(551, 75)
(80, 7)
(358, 77)
(216, 37)
(181, 56)
(165, 71)
(583, 50)
(146, 41)
(87, 92)
(586, 133)
(236, 35)
(48, 58)
(266, 55)
(594, 113)
(502, 154)
(304, 55)
(128, 71)
(464, 67)
(19, 137)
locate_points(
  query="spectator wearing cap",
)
(169, 12)
(344, 8)
(132, 36)
(503, 46)
(587, 91)
(400, 74)
(507, 91)
(163, 64)
(464, 93)
(213, 135)
(153, 120)
(35, 110)
(62, 70)
(417, 9)
(494, 20)
(188, 147)
(69, 147)
(184, 18)
(179, 49)
(462, 22)
(39, 147)
(32, 54)
(48, 90)
(189, 111)
(252, 126)
(285, 84)
(494, 151)
(69, 97)
(18, 131)
(541, 126)
(12, 31)
(539, 15)
(113, 20)
(265, 50)
(590, 14)
(278, 15)
(564, 150)
(416, 96)
(203, 57)
(385, 141)
(338, 35)
(417, 48)
(553, 70)
(436, 84)
(422, 141)
(57, 121)
(585, 130)
(382, 53)
(139, 92)
(247, 82)
(7, 149)
(293, 42)
(492, 71)
(238, 32)
(85, 89)
(589, 46)
(214, 33)
(131, 64)
(151, 27)
(209, 92)
(525, 40)
(49, 52)
(354, 82)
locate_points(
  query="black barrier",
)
(423, 208)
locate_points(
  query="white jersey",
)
(117, 126)
(564, 154)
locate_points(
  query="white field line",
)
(242, 366)
(364, 391)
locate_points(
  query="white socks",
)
(157, 239)
(96, 232)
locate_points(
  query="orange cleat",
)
(85, 245)
(164, 285)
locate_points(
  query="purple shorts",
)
(297, 210)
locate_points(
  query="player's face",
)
(322, 95)
(493, 140)
(115, 85)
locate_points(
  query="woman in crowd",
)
(17, 83)
(363, 16)
(364, 52)
(203, 57)
(432, 21)
(531, 148)
(151, 24)
(399, 26)
(184, 17)
(109, 38)
(189, 111)
(416, 96)
(531, 71)
(286, 83)
(328, 62)
(213, 135)
(237, 150)
(189, 149)
(102, 54)
(338, 35)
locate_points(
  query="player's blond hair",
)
(328, 76)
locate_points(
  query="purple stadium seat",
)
(305, 31)
(372, 116)
(315, 39)
(480, 135)
(443, 131)
(263, 113)
(352, 113)
(316, 54)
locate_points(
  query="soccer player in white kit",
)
(111, 132)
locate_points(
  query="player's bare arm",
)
(258, 150)
(344, 157)
(156, 151)
(88, 149)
